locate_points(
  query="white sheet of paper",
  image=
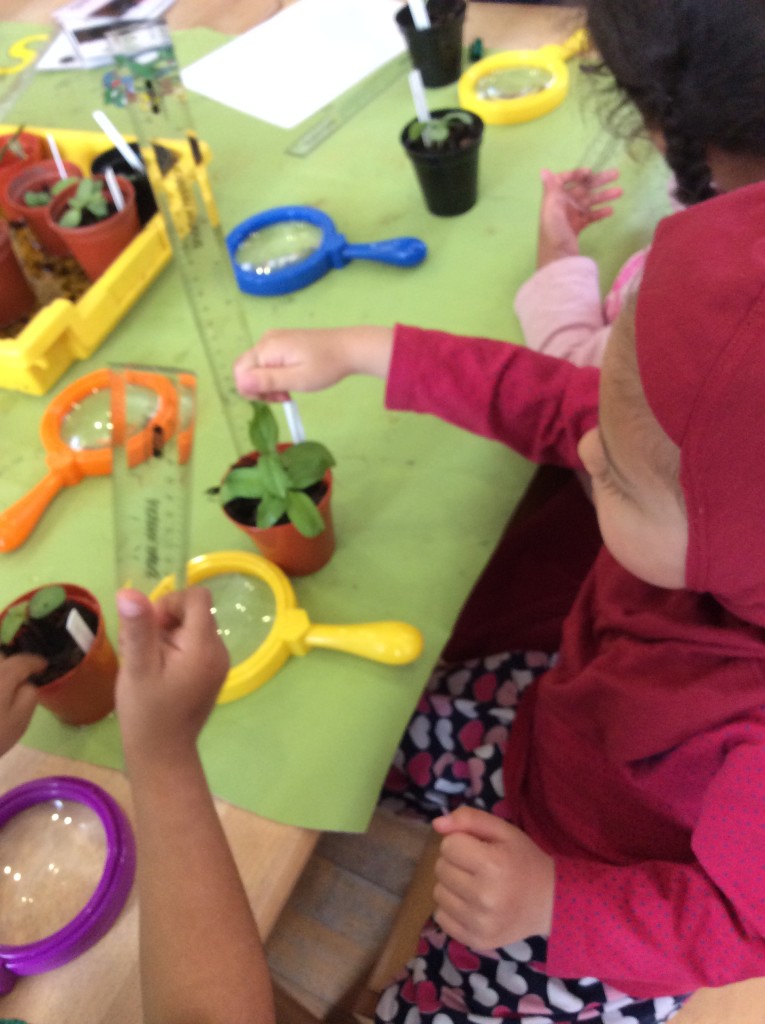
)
(298, 61)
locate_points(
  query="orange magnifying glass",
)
(76, 433)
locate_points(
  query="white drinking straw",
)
(114, 189)
(419, 14)
(417, 89)
(118, 141)
(294, 422)
(54, 152)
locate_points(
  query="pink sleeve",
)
(533, 403)
(675, 926)
(561, 312)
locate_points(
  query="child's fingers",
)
(606, 195)
(601, 213)
(17, 669)
(598, 178)
(480, 824)
(139, 632)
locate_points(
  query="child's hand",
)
(494, 885)
(18, 697)
(570, 202)
(172, 666)
(295, 360)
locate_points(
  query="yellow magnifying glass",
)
(262, 626)
(518, 85)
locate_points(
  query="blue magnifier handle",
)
(401, 252)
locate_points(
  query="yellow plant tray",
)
(64, 331)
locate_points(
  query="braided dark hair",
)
(692, 69)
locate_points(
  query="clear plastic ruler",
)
(153, 414)
(326, 121)
(149, 76)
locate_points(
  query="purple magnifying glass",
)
(39, 820)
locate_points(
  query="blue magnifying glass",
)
(290, 247)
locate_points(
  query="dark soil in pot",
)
(245, 510)
(50, 638)
(461, 136)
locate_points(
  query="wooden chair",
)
(399, 947)
(742, 1003)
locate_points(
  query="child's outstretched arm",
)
(494, 885)
(310, 360)
(18, 697)
(201, 956)
(571, 201)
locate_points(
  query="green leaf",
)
(12, 622)
(435, 132)
(98, 206)
(273, 475)
(13, 145)
(303, 514)
(459, 117)
(61, 184)
(242, 482)
(70, 219)
(45, 600)
(306, 463)
(40, 197)
(271, 508)
(264, 430)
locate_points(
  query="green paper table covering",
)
(418, 505)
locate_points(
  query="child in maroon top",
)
(634, 759)
(602, 813)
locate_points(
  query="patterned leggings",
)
(451, 754)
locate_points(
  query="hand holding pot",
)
(18, 696)
(173, 664)
(311, 360)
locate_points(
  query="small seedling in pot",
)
(42, 625)
(437, 131)
(87, 205)
(282, 485)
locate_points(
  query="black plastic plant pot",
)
(144, 195)
(436, 51)
(448, 176)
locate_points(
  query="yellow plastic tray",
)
(64, 331)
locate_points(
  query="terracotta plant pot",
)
(285, 546)
(35, 177)
(85, 693)
(32, 146)
(144, 193)
(95, 246)
(16, 297)
(448, 177)
(436, 51)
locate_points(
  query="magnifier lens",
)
(511, 83)
(244, 608)
(278, 246)
(88, 423)
(52, 857)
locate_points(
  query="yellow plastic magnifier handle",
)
(18, 521)
(392, 643)
(578, 42)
